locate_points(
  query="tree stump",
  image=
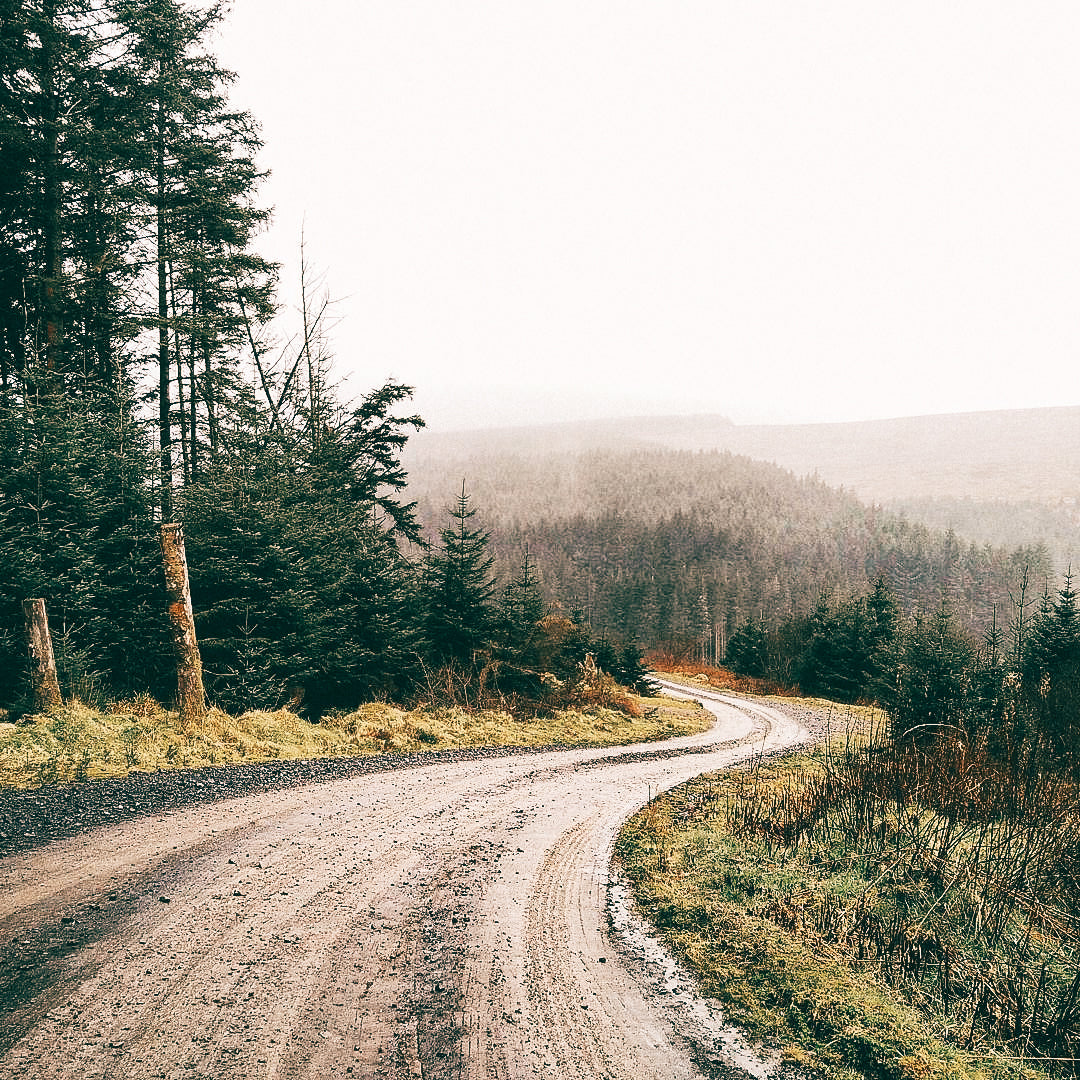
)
(190, 696)
(43, 681)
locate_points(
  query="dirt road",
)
(444, 921)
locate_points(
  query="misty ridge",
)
(653, 526)
(1004, 477)
(1012, 455)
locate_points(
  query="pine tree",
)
(458, 589)
(935, 692)
(522, 608)
(748, 649)
(297, 579)
(1051, 672)
(193, 171)
(57, 116)
(76, 528)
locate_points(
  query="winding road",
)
(450, 920)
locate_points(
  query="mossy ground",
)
(767, 926)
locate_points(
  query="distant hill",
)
(1018, 455)
(1009, 477)
(670, 545)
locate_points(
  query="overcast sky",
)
(774, 211)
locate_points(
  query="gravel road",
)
(450, 919)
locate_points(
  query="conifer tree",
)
(193, 172)
(76, 527)
(1051, 672)
(748, 649)
(57, 111)
(299, 584)
(459, 618)
(935, 684)
(522, 606)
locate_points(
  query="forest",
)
(147, 376)
(681, 548)
(143, 380)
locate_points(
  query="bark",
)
(164, 408)
(190, 696)
(43, 679)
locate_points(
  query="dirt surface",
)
(444, 920)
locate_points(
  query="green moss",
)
(751, 916)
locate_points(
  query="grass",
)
(77, 742)
(875, 912)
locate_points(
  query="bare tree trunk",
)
(43, 670)
(164, 408)
(190, 696)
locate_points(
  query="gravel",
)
(30, 818)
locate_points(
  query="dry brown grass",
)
(718, 678)
(77, 742)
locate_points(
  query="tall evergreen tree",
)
(110, 111)
(297, 579)
(55, 104)
(193, 167)
(459, 615)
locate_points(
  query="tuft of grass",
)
(875, 915)
(380, 728)
(77, 742)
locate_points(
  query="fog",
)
(774, 212)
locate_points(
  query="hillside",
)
(1005, 478)
(1017, 455)
(666, 545)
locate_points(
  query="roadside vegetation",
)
(77, 742)
(882, 907)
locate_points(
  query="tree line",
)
(714, 557)
(679, 549)
(1013, 691)
(141, 382)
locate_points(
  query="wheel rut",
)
(446, 922)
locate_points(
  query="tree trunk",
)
(43, 666)
(164, 409)
(190, 696)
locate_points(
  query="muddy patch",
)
(719, 1050)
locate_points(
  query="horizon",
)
(798, 215)
(614, 418)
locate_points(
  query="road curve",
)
(440, 921)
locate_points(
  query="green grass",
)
(77, 742)
(836, 940)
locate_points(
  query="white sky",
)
(780, 212)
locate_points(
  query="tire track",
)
(445, 922)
